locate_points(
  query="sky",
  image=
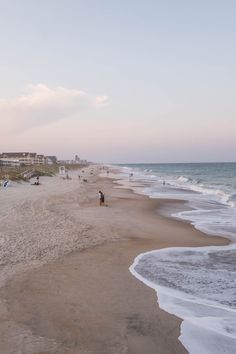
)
(119, 81)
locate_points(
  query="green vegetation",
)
(22, 173)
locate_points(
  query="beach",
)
(65, 280)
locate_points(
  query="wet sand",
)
(80, 298)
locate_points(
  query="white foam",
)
(202, 296)
(183, 179)
(221, 221)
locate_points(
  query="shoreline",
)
(87, 301)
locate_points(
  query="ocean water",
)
(196, 284)
(209, 190)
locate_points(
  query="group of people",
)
(101, 195)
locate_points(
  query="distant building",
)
(23, 158)
(83, 162)
(40, 160)
(50, 160)
(77, 159)
(66, 162)
(8, 162)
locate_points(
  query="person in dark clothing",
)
(101, 198)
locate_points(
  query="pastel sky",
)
(119, 81)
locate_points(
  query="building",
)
(50, 160)
(77, 159)
(83, 162)
(39, 160)
(22, 158)
(9, 162)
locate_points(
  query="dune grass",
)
(17, 173)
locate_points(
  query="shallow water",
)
(196, 284)
(209, 189)
(199, 286)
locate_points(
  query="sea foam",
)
(196, 284)
(199, 286)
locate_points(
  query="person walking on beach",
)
(101, 198)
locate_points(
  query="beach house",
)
(21, 158)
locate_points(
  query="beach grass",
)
(18, 174)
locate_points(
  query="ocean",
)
(195, 284)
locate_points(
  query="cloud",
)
(101, 99)
(41, 105)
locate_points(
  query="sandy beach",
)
(65, 280)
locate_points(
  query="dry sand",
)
(65, 283)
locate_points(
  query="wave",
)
(183, 179)
(181, 182)
(196, 186)
(197, 285)
(222, 196)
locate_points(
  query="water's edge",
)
(208, 326)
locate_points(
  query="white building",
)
(9, 162)
(22, 158)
